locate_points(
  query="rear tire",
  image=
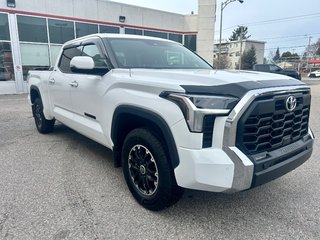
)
(147, 171)
(43, 125)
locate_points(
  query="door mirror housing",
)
(86, 65)
(82, 63)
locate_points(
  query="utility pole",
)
(223, 5)
(308, 56)
(219, 56)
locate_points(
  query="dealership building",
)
(32, 32)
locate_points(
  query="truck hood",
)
(235, 83)
(204, 77)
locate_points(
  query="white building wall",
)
(205, 37)
(107, 13)
(104, 11)
(232, 49)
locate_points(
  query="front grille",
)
(267, 124)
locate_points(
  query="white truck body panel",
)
(88, 108)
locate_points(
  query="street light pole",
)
(223, 5)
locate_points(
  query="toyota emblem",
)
(291, 103)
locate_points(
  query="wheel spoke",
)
(143, 170)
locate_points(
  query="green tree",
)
(276, 57)
(248, 59)
(288, 56)
(239, 31)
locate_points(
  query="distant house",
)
(232, 49)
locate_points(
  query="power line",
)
(301, 46)
(292, 36)
(286, 19)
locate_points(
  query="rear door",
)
(60, 83)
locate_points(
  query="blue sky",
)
(286, 24)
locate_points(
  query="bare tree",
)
(224, 62)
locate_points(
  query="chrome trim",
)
(196, 115)
(243, 172)
(311, 133)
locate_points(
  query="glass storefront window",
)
(83, 29)
(55, 50)
(133, 31)
(190, 42)
(156, 34)
(4, 27)
(32, 29)
(60, 31)
(175, 37)
(34, 57)
(6, 62)
(109, 29)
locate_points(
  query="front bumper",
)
(214, 170)
(224, 167)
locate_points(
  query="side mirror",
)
(81, 63)
(86, 65)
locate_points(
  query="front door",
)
(87, 96)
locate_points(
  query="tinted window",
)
(60, 31)
(93, 51)
(139, 53)
(190, 42)
(274, 68)
(66, 57)
(83, 29)
(32, 29)
(156, 34)
(262, 68)
(133, 31)
(109, 29)
(4, 27)
(175, 37)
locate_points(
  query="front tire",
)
(147, 171)
(43, 125)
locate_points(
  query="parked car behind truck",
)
(171, 120)
(272, 68)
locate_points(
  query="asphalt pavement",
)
(63, 186)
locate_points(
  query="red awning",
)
(313, 61)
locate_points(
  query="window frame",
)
(92, 41)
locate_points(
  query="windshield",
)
(145, 53)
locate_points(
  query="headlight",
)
(195, 107)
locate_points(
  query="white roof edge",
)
(238, 41)
(115, 35)
(153, 9)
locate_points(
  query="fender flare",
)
(151, 117)
(34, 88)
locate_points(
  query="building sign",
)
(11, 3)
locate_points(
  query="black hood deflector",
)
(239, 89)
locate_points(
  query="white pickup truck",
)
(171, 120)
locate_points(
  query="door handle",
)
(74, 84)
(52, 81)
